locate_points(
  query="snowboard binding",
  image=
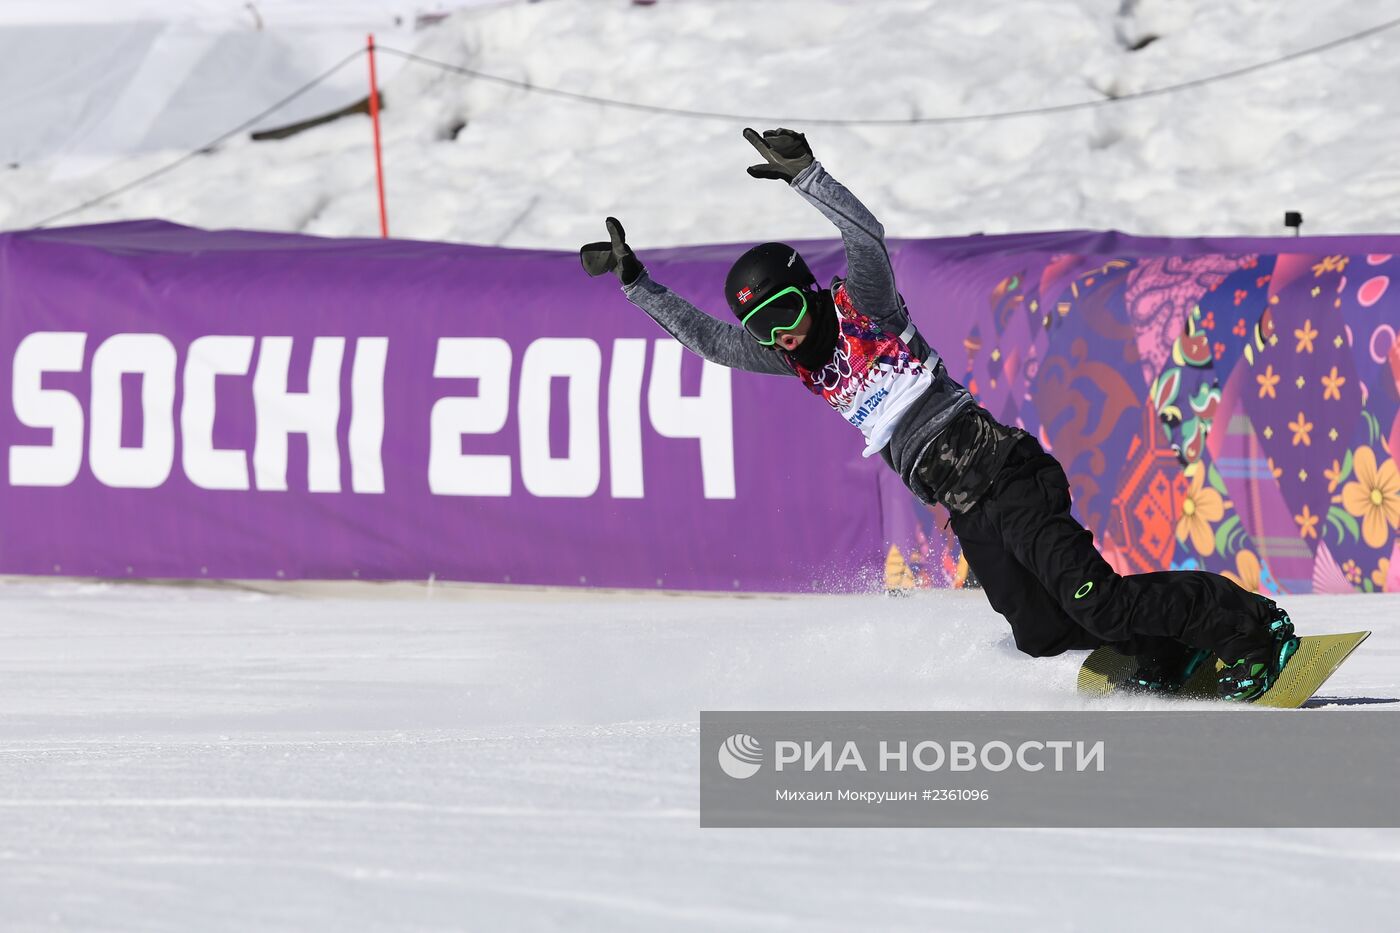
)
(1166, 668)
(1253, 675)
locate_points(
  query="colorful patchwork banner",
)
(1225, 404)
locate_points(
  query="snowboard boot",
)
(1253, 673)
(1164, 666)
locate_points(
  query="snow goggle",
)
(780, 312)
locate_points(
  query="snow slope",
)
(531, 170)
(203, 760)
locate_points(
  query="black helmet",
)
(761, 273)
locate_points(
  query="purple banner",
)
(188, 403)
(243, 405)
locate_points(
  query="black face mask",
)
(817, 346)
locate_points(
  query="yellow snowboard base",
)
(1104, 670)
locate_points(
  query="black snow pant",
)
(1040, 570)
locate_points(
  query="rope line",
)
(716, 115)
(171, 166)
(770, 120)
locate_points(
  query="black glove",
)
(786, 152)
(612, 255)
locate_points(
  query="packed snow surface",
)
(473, 160)
(187, 759)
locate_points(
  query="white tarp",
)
(83, 83)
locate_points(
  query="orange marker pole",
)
(378, 151)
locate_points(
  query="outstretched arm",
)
(700, 333)
(870, 276)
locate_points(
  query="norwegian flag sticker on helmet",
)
(745, 295)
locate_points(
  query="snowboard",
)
(1104, 670)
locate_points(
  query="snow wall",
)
(188, 403)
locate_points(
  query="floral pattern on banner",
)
(1234, 413)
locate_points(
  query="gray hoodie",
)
(871, 285)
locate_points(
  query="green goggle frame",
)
(766, 324)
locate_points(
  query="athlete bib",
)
(872, 377)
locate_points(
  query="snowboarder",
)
(854, 344)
